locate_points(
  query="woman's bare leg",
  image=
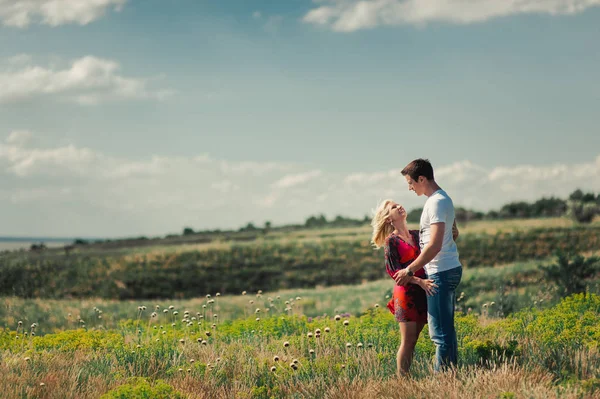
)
(409, 333)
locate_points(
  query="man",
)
(439, 256)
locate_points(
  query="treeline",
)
(266, 266)
(580, 206)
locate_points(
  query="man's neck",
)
(431, 188)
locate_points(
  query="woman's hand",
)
(428, 286)
(454, 231)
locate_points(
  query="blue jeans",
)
(440, 317)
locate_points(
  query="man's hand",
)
(401, 277)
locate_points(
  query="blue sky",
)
(125, 117)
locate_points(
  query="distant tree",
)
(576, 195)
(414, 216)
(463, 215)
(492, 215)
(249, 227)
(188, 231)
(267, 227)
(79, 241)
(38, 247)
(588, 197)
(322, 220)
(515, 210)
(547, 207)
(316, 221)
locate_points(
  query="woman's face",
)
(396, 212)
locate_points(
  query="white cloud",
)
(296, 179)
(28, 195)
(21, 13)
(352, 15)
(19, 59)
(460, 172)
(372, 177)
(26, 162)
(87, 80)
(19, 137)
(80, 191)
(125, 170)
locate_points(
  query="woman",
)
(409, 303)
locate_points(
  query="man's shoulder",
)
(438, 203)
(440, 197)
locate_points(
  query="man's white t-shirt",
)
(439, 208)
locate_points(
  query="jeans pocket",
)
(453, 277)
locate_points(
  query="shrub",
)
(140, 388)
(570, 272)
(583, 212)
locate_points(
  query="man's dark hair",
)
(418, 167)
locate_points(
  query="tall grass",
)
(535, 353)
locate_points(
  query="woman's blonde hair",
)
(381, 226)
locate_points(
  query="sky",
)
(129, 117)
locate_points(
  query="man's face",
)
(415, 186)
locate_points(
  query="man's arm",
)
(426, 256)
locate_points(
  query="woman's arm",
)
(454, 231)
(393, 262)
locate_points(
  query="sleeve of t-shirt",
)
(438, 212)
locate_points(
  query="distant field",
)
(16, 245)
(523, 285)
(348, 233)
(298, 259)
(201, 242)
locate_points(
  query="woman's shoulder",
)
(391, 238)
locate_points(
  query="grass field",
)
(517, 338)
(186, 352)
(479, 285)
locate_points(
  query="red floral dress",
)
(408, 303)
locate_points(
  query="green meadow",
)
(298, 314)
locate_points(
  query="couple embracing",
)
(425, 266)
